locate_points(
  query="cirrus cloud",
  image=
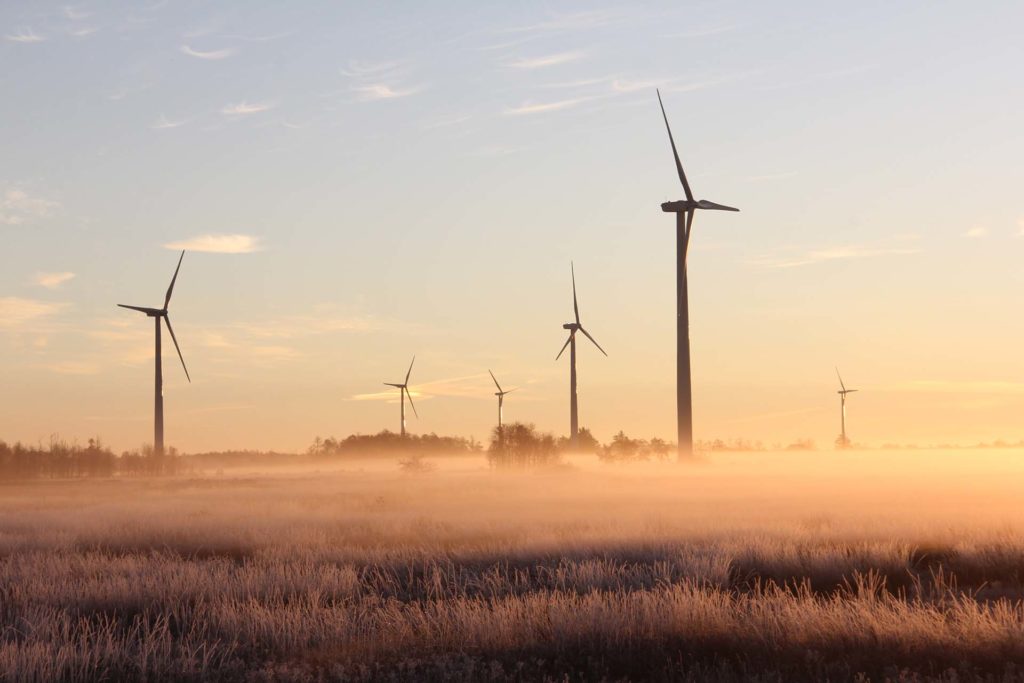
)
(219, 244)
(15, 311)
(209, 54)
(244, 108)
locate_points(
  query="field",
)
(772, 566)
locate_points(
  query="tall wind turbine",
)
(844, 442)
(500, 393)
(574, 327)
(403, 390)
(159, 314)
(684, 211)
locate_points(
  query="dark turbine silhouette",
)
(403, 390)
(843, 441)
(500, 393)
(684, 211)
(573, 327)
(159, 314)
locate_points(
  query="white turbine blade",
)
(840, 379)
(170, 289)
(563, 346)
(141, 309)
(679, 164)
(575, 306)
(178, 348)
(593, 340)
(406, 390)
(495, 380)
(705, 204)
(410, 370)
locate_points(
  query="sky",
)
(356, 183)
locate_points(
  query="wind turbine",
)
(501, 398)
(574, 327)
(844, 442)
(403, 390)
(159, 314)
(684, 211)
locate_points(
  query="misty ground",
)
(900, 565)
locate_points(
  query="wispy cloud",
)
(546, 107)
(18, 207)
(373, 81)
(75, 14)
(219, 244)
(25, 35)
(16, 311)
(576, 21)
(52, 280)
(545, 61)
(791, 258)
(381, 91)
(71, 367)
(976, 232)
(83, 31)
(163, 123)
(245, 108)
(961, 387)
(466, 386)
(209, 55)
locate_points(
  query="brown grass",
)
(797, 567)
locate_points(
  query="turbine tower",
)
(843, 441)
(403, 390)
(500, 393)
(684, 211)
(159, 314)
(574, 327)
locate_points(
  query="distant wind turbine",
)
(574, 327)
(684, 211)
(500, 393)
(844, 441)
(403, 390)
(159, 314)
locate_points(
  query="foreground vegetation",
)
(729, 570)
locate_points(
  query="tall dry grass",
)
(782, 568)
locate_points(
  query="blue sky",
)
(409, 178)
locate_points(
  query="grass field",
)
(812, 566)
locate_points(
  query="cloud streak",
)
(210, 55)
(25, 36)
(976, 232)
(16, 312)
(839, 253)
(381, 91)
(545, 107)
(52, 280)
(163, 123)
(545, 61)
(218, 244)
(244, 108)
(17, 207)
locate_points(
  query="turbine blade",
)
(679, 164)
(141, 309)
(389, 384)
(406, 389)
(170, 289)
(705, 204)
(563, 346)
(510, 390)
(852, 391)
(593, 340)
(495, 380)
(178, 348)
(575, 306)
(410, 370)
(840, 379)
